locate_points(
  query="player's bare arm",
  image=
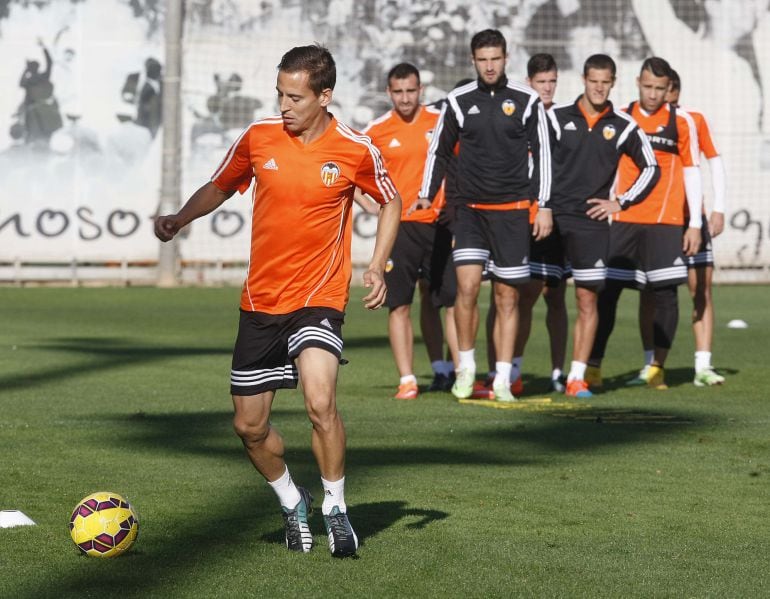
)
(206, 199)
(366, 203)
(543, 224)
(374, 277)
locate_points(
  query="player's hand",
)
(691, 241)
(716, 223)
(543, 224)
(166, 227)
(602, 209)
(419, 204)
(374, 279)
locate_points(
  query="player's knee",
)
(322, 412)
(251, 433)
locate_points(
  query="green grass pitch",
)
(634, 493)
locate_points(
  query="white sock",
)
(409, 378)
(334, 494)
(555, 374)
(577, 371)
(702, 360)
(468, 360)
(503, 376)
(516, 368)
(649, 356)
(286, 490)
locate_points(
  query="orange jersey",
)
(705, 141)
(674, 140)
(405, 148)
(301, 226)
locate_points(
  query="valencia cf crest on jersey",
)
(330, 172)
(508, 107)
(609, 132)
(389, 265)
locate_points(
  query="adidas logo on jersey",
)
(270, 165)
(394, 143)
(474, 110)
(570, 126)
(325, 322)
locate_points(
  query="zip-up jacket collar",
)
(501, 83)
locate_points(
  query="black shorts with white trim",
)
(409, 261)
(584, 242)
(547, 262)
(268, 344)
(497, 239)
(646, 255)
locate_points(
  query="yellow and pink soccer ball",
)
(104, 525)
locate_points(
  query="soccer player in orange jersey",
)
(306, 165)
(403, 135)
(700, 267)
(647, 246)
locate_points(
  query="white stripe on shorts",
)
(589, 274)
(251, 378)
(305, 334)
(470, 254)
(665, 274)
(546, 270)
(509, 272)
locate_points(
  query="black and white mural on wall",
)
(80, 117)
(80, 121)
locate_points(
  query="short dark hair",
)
(657, 66)
(540, 63)
(489, 38)
(676, 82)
(599, 62)
(403, 70)
(314, 60)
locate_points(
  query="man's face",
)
(544, 83)
(598, 83)
(673, 96)
(299, 105)
(489, 63)
(405, 95)
(652, 90)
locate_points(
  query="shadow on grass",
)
(675, 377)
(103, 353)
(210, 434)
(193, 548)
(369, 519)
(585, 429)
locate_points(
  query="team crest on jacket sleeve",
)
(389, 265)
(608, 132)
(330, 172)
(508, 107)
